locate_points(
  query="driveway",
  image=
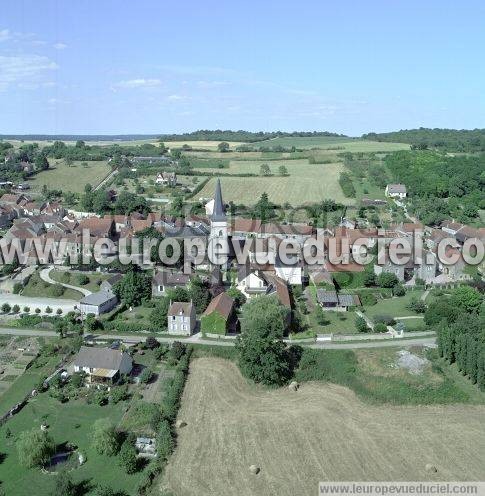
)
(42, 303)
(44, 275)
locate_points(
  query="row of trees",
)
(459, 320)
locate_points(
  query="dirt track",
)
(321, 432)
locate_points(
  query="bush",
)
(37, 310)
(127, 457)
(118, 393)
(165, 443)
(17, 287)
(26, 309)
(105, 438)
(82, 279)
(48, 310)
(146, 376)
(59, 311)
(417, 305)
(367, 298)
(399, 290)
(15, 309)
(387, 280)
(385, 319)
(6, 308)
(35, 447)
(361, 324)
(380, 327)
(57, 290)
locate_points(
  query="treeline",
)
(246, 136)
(453, 140)
(460, 325)
(440, 186)
(345, 181)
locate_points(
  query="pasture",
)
(69, 178)
(306, 183)
(330, 433)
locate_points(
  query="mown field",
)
(322, 432)
(70, 178)
(339, 144)
(306, 183)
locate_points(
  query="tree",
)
(417, 305)
(6, 308)
(26, 309)
(64, 485)
(199, 294)
(158, 316)
(134, 288)
(467, 298)
(105, 438)
(237, 296)
(104, 491)
(361, 324)
(283, 170)
(223, 147)
(41, 162)
(82, 279)
(118, 393)
(262, 354)
(15, 309)
(146, 376)
(265, 170)
(35, 447)
(387, 280)
(164, 440)
(127, 457)
(369, 278)
(398, 290)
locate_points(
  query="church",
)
(218, 243)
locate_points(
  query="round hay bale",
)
(431, 468)
(293, 386)
(254, 469)
(180, 423)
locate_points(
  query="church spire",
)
(218, 213)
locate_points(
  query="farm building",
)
(102, 365)
(331, 300)
(218, 317)
(97, 303)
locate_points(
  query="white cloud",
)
(138, 83)
(4, 34)
(26, 70)
(59, 46)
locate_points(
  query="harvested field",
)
(322, 432)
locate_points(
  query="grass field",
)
(395, 307)
(36, 287)
(69, 178)
(338, 144)
(94, 279)
(322, 432)
(306, 183)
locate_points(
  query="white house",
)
(102, 364)
(396, 191)
(181, 318)
(166, 178)
(251, 281)
(291, 272)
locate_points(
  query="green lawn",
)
(395, 307)
(69, 178)
(36, 287)
(69, 422)
(94, 279)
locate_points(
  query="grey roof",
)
(171, 278)
(101, 358)
(114, 279)
(97, 298)
(218, 213)
(327, 296)
(180, 307)
(396, 188)
(344, 300)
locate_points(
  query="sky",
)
(155, 66)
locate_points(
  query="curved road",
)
(44, 275)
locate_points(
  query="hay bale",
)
(254, 469)
(293, 386)
(431, 468)
(180, 423)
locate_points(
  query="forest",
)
(450, 140)
(440, 186)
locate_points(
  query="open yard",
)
(330, 433)
(70, 178)
(306, 183)
(395, 307)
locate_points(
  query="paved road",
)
(425, 341)
(44, 275)
(38, 302)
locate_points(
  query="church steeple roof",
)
(218, 213)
